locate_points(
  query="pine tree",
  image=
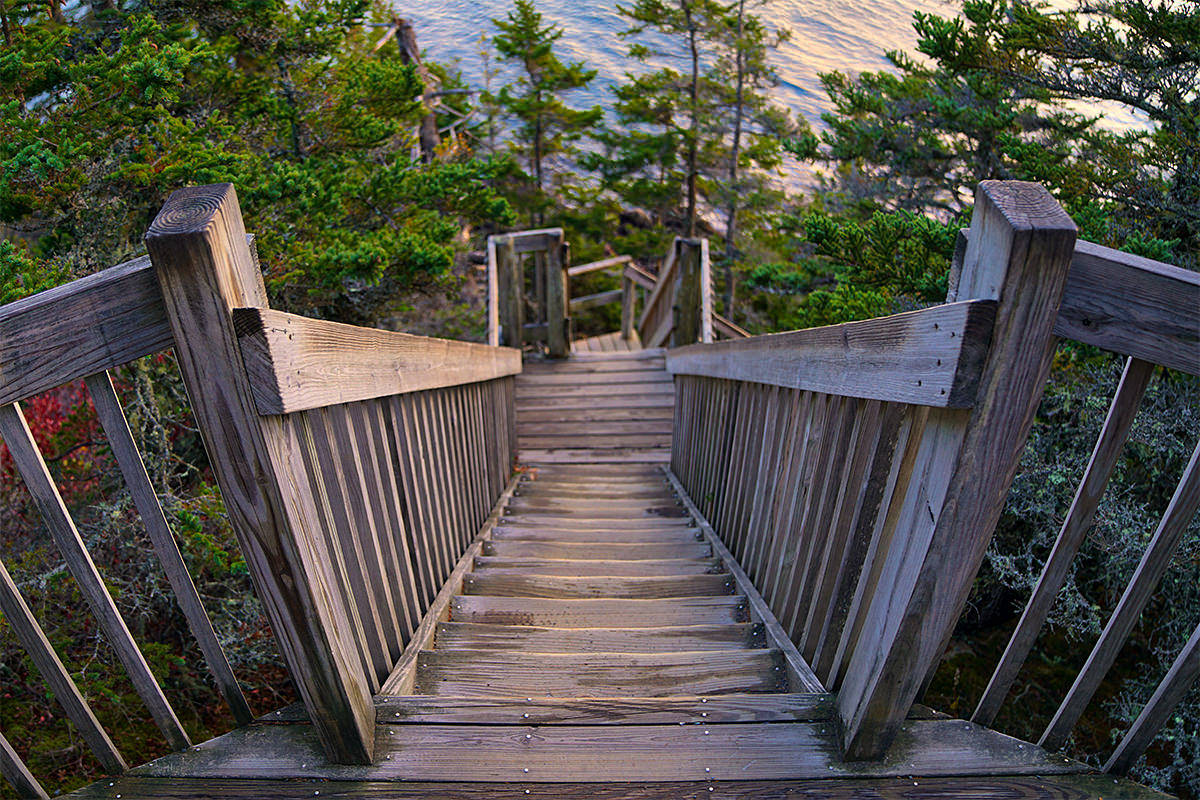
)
(546, 125)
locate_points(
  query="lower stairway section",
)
(598, 641)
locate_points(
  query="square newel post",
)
(1020, 251)
(205, 269)
(558, 259)
(693, 294)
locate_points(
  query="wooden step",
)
(600, 613)
(584, 567)
(536, 533)
(610, 519)
(528, 416)
(529, 638)
(624, 376)
(605, 552)
(595, 508)
(662, 388)
(596, 440)
(630, 455)
(712, 709)
(508, 585)
(645, 427)
(589, 491)
(486, 673)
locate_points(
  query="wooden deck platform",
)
(601, 642)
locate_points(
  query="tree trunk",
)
(406, 37)
(731, 216)
(694, 111)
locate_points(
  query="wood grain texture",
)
(296, 363)
(669, 710)
(197, 246)
(595, 266)
(1108, 448)
(931, 357)
(1132, 305)
(530, 638)
(534, 585)
(1019, 255)
(89, 325)
(598, 613)
(1040, 787)
(490, 673)
(584, 567)
(32, 469)
(599, 753)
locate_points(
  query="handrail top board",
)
(929, 357)
(296, 363)
(530, 241)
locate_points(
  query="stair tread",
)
(584, 567)
(532, 585)
(610, 552)
(598, 612)
(480, 636)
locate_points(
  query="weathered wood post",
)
(1019, 254)
(628, 304)
(693, 294)
(558, 258)
(511, 290)
(492, 312)
(205, 269)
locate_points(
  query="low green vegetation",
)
(313, 115)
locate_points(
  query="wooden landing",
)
(607, 343)
(596, 408)
(566, 663)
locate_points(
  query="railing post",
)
(557, 260)
(198, 247)
(688, 294)
(628, 300)
(1019, 254)
(493, 294)
(511, 291)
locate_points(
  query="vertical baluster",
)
(15, 772)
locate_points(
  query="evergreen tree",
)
(546, 125)
(113, 106)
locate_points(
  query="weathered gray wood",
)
(606, 753)
(689, 293)
(1019, 256)
(1083, 509)
(1173, 688)
(616, 552)
(535, 639)
(1132, 305)
(594, 266)
(661, 296)
(531, 241)
(733, 707)
(534, 585)
(511, 290)
(558, 339)
(29, 463)
(296, 363)
(15, 772)
(598, 613)
(1032, 787)
(493, 294)
(1137, 593)
(129, 460)
(88, 325)
(931, 357)
(727, 328)
(33, 639)
(537, 533)
(562, 566)
(489, 673)
(400, 681)
(597, 299)
(197, 245)
(628, 307)
(800, 675)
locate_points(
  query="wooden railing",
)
(356, 465)
(858, 471)
(677, 303)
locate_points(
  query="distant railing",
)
(857, 471)
(356, 465)
(676, 303)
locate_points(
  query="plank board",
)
(536, 533)
(615, 552)
(567, 753)
(533, 585)
(531, 638)
(564, 566)
(606, 613)
(490, 673)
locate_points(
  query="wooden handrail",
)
(596, 266)
(296, 363)
(928, 357)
